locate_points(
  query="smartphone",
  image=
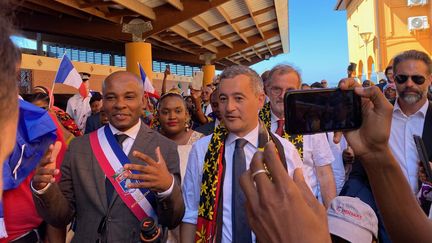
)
(197, 80)
(423, 155)
(321, 110)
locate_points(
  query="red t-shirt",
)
(20, 213)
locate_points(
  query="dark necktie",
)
(109, 188)
(241, 232)
(280, 127)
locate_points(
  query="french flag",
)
(148, 87)
(68, 75)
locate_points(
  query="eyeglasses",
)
(276, 91)
(418, 79)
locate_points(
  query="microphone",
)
(150, 231)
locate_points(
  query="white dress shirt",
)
(79, 109)
(316, 152)
(207, 109)
(194, 172)
(402, 143)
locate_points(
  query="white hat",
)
(352, 220)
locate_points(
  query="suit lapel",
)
(142, 139)
(427, 131)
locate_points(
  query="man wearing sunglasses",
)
(412, 113)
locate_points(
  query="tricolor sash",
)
(111, 158)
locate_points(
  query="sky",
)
(318, 42)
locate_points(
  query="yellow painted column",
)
(139, 52)
(209, 73)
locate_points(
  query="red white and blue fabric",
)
(35, 133)
(111, 158)
(68, 75)
(148, 87)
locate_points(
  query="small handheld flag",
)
(148, 87)
(68, 75)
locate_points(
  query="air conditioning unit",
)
(418, 23)
(412, 3)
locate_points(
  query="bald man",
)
(116, 176)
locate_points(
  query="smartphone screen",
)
(321, 110)
(423, 155)
(197, 80)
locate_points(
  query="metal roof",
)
(235, 31)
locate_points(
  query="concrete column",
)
(139, 52)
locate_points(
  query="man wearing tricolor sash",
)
(313, 149)
(114, 177)
(214, 202)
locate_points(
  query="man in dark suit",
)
(86, 193)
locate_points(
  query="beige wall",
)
(44, 70)
(388, 22)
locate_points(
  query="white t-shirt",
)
(79, 109)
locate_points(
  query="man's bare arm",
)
(187, 232)
(327, 183)
(403, 218)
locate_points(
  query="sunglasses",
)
(418, 79)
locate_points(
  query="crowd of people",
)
(215, 165)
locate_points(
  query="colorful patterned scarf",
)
(210, 186)
(296, 140)
(212, 180)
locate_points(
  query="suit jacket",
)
(81, 192)
(93, 123)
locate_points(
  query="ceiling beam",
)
(268, 47)
(172, 45)
(62, 9)
(244, 57)
(198, 32)
(217, 26)
(32, 8)
(168, 17)
(137, 7)
(233, 26)
(248, 5)
(240, 45)
(256, 53)
(176, 4)
(273, 50)
(233, 61)
(92, 11)
(256, 13)
(241, 18)
(120, 13)
(183, 33)
(248, 29)
(199, 21)
(257, 60)
(96, 4)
